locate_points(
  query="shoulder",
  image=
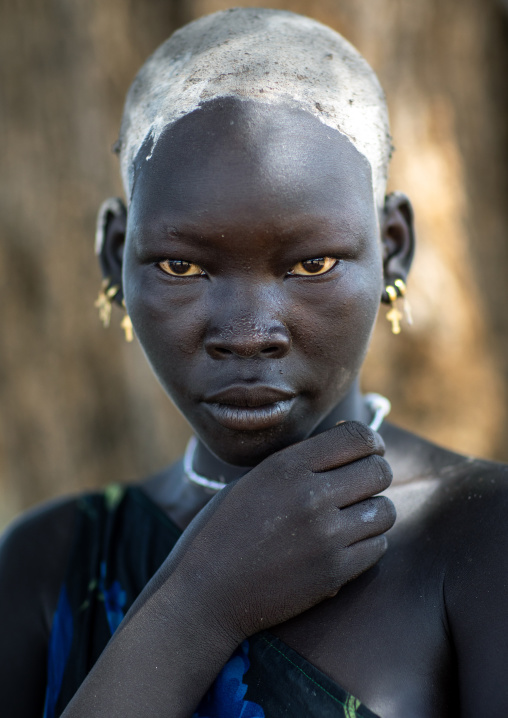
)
(456, 504)
(455, 476)
(46, 522)
(34, 551)
(472, 513)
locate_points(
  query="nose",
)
(247, 337)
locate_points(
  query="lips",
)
(250, 408)
(251, 396)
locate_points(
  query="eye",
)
(181, 268)
(310, 267)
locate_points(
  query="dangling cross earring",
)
(401, 286)
(393, 315)
(104, 303)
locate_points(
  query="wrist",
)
(203, 611)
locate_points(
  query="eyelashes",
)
(306, 268)
(181, 268)
(313, 267)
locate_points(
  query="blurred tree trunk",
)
(78, 407)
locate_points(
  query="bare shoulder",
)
(459, 499)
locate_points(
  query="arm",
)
(163, 657)
(476, 595)
(263, 550)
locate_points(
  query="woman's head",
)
(254, 255)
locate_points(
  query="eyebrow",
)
(185, 235)
(301, 226)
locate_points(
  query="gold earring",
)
(126, 325)
(104, 301)
(401, 286)
(394, 315)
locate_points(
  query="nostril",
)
(270, 351)
(248, 340)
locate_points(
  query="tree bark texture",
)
(79, 408)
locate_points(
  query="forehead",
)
(240, 158)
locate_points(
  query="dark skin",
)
(261, 352)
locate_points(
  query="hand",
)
(285, 536)
(292, 531)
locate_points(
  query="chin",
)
(249, 448)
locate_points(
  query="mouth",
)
(254, 408)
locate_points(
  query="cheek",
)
(167, 323)
(334, 322)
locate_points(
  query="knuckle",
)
(362, 434)
(284, 465)
(379, 512)
(382, 472)
(369, 512)
(323, 541)
(308, 501)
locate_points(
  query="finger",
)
(364, 520)
(361, 556)
(338, 446)
(356, 481)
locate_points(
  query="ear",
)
(110, 241)
(398, 238)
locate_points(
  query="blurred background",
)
(79, 408)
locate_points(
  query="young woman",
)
(263, 575)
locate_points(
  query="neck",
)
(352, 407)
(208, 464)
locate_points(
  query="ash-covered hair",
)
(271, 56)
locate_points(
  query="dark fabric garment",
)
(121, 539)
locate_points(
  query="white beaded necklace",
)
(378, 405)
